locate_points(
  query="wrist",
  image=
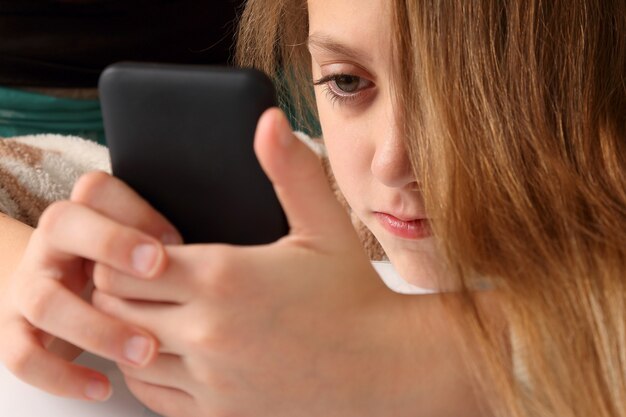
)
(14, 237)
(418, 366)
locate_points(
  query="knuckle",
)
(208, 337)
(87, 185)
(110, 242)
(53, 215)
(19, 360)
(37, 299)
(103, 279)
(101, 301)
(222, 276)
(221, 261)
(198, 339)
(157, 403)
(217, 382)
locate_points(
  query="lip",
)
(418, 228)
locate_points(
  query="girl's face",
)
(350, 45)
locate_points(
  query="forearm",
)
(427, 364)
(14, 237)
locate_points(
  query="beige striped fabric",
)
(40, 169)
(37, 170)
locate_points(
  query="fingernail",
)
(286, 135)
(137, 349)
(145, 257)
(98, 390)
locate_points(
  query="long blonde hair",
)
(514, 115)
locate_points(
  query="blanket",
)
(40, 169)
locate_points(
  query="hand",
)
(42, 307)
(300, 327)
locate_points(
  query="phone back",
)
(182, 137)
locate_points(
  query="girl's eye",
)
(347, 83)
(344, 87)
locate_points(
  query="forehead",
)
(351, 22)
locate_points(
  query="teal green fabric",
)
(26, 113)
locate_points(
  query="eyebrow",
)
(327, 44)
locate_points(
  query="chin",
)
(418, 266)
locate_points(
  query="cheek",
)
(344, 164)
(348, 150)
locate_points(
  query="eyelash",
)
(333, 95)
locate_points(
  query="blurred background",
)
(52, 52)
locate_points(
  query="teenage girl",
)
(482, 143)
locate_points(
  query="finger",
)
(51, 307)
(298, 178)
(175, 284)
(114, 199)
(167, 370)
(68, 231)
(157, 318)
(27, 359)
(162, 400)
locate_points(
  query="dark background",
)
(67, 43)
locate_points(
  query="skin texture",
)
(300, 327)
(42, 304)
(16, 237)
(366, 152)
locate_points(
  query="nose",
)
(391, 164)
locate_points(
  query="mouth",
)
(418, 228)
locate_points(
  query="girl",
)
(497, 127)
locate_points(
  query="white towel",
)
(40, 169)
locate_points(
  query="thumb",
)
(299, 180)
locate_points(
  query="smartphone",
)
(182, 137)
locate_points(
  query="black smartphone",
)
(182, 137)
